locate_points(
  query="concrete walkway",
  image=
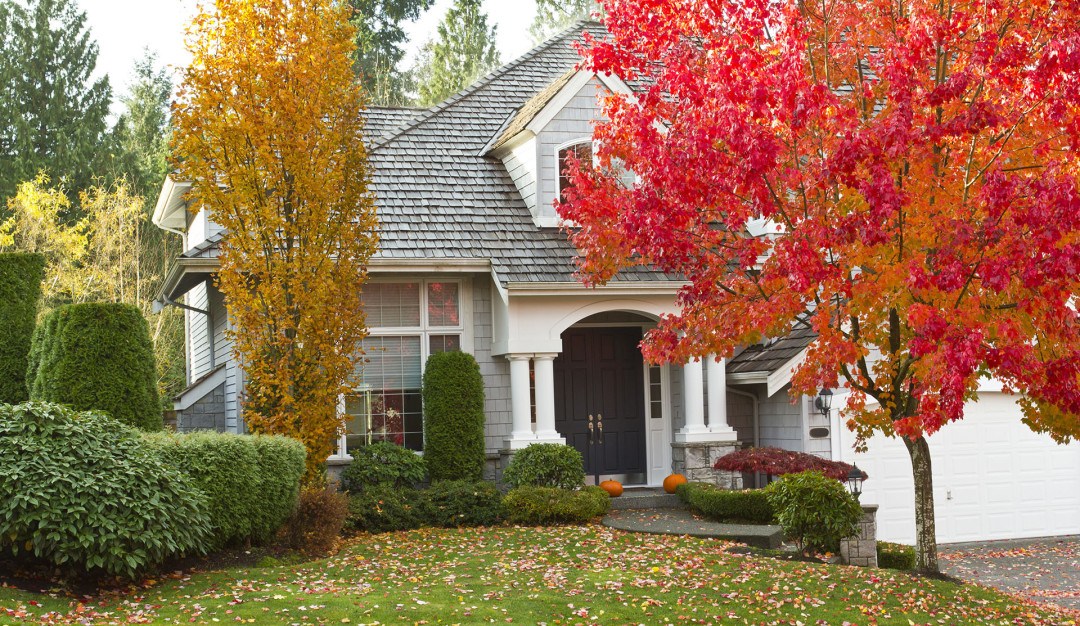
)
(683, 522)
(1046, 570)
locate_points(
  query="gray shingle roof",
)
(771, 357)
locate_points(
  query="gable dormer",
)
(536, 139)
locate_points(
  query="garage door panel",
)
(995, 470)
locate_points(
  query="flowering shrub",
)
(777, 462)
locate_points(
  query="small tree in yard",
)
(268, 130)
(915, 164)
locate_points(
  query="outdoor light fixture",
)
(823, 401)
(855, 480)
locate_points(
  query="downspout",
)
(757, 421)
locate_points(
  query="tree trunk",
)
(925, 531)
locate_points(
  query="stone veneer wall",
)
(695, 461)
(208, 413)
(862, 548)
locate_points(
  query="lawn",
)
(569, 575)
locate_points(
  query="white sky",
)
(123, 28)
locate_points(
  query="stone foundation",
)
(206, 414)
(695, 461)
(862, 549)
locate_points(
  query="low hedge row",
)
(750, 505)
(895, 556)
(251, 481)
(460, 503)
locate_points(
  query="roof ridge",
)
(481, 82)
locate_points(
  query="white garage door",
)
(993, 479)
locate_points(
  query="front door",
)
(599, 375)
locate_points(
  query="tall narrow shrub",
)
(20, 291)
(97, 356)
(453, 417)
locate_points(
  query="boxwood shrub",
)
(814, 510)
(79, 489)
(383, 508)
(536, 506)
(749, 505)
(97, 356)
(381, 463)
(460, 503)
(20, 291)
(895, 556)
(251, 481)
(546, 465)
(453, 417)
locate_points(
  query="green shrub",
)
(20, 290)
(749, 505)
(453, 417)
(458, 503)
(384, 508)
(316, 522)
(99, 357)
(80, 489)
(895, 556)
(251, 480)
(546, 465)
(538, 506)
(814, 510)
(382, 463)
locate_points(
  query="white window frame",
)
(424, 331)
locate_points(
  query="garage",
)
(993, 478)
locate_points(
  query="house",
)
(472, 258)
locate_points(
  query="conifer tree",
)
(379, 41)
(52, 116)
(464, 51)
(553, 16)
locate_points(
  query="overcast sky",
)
(123, 28)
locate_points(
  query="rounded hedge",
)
(97, 356)
(546, 465)
(814, 510)
(453, 417)
(252, 481)
(537, 506)
(20, 291)
(381, 463)
(78, 488)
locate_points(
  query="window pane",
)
(656, 405)
(443, 304)
(583, 152)
(389, 407)
(445, 343)
(394, 305)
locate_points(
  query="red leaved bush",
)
(777, 462)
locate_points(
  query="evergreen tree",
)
(51, 115)
(142, 132)
(379, 41)
(553, 16)
(464, 51)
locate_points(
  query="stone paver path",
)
(684, 522)
(1045, 570)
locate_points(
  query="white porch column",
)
(716, 378)
(694, 428)
(522, 433)
(543, 368)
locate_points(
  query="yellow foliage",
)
(268, 130)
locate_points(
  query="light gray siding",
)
(495, 370)
(574, 121)
(199, 335)
(521, 165)
(781, 421)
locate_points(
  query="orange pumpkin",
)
(613, 487)
(673, 481)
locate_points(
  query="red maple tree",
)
(913, 165)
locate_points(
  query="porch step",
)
(646, 498)
(671, 521)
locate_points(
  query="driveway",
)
(1046, 569)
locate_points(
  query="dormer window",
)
(580, 148)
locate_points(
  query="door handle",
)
(600, 426)
(592, 434)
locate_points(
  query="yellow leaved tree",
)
(268, 130)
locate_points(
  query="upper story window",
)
(407, 322)
(580, 148)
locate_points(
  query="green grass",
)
(569, 575)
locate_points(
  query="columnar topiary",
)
(20, 291)
(97, 356)
(80, 489)
(453, 417)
